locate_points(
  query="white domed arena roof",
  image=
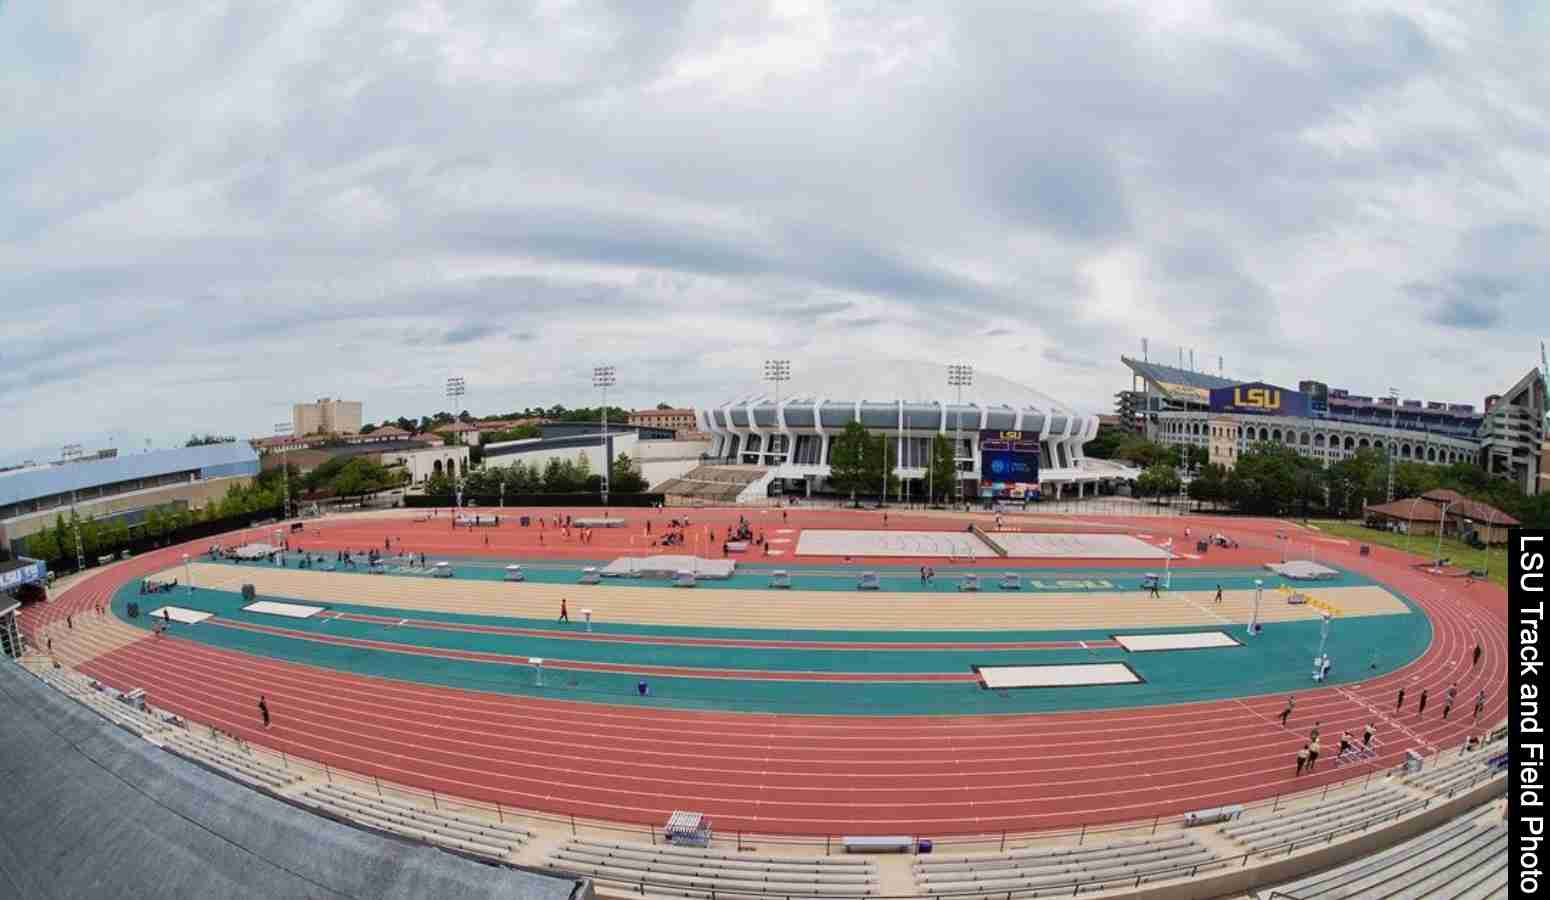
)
(891, 381)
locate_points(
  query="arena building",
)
(1226, 416)
(124, 488)
(1008, 426)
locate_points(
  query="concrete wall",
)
(421, 464)
(647, 451)
(623, 442)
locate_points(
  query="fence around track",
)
(985, 842)
(997, 841)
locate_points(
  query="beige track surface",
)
(708, 606)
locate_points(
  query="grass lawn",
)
(1423, 546)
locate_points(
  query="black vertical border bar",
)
(1528, 550)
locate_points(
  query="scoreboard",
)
(1009, 464)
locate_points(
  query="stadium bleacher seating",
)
(1464, 772)
(232, 759)
(1358, 811)
(1462, 860)
(104, 702)
(689, 872)
(459, 831)
(1034, 871)
(711, 484)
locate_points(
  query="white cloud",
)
(215, 210)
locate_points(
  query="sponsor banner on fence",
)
(24, 575)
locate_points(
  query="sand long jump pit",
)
(1051, 545)
(178, 614)
(996, 678)
(1194, 640)
(842, 542)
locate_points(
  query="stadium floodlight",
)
(777, 371)
(1393, 429)
(603, 379)
(80, 547)
(281, 429)
(959, 376)
(456, 388)
(1442, 524)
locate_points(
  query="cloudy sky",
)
(213, 209)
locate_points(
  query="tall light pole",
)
(1393, 429)
(188, 574)
(75, 522)
(281, 429)
(1259, 588)
(1442, 523)
(777, 371)
(1324, 621)
(1488, 532)
(603, 379)
(959, 376)
(456, 388)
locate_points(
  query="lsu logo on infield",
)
(1257, 398)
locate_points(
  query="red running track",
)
(710, 526)
(828, 775)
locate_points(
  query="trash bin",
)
(526, 521)
(1366, 550)
(1201, 547)
(924, 846)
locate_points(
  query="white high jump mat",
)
(1194, 640)
(840, 542)
(1024, 544)
(179, 614)
(998, 677)
(289, 610)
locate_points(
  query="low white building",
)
(422, 464)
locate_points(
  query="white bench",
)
(1213, 815)
(878, 844)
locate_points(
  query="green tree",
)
(847, 460)
(1268, 480)
(625, 478)
(439, 485)
(1106, 443)
(943, 468)
(1412, 479)
(519, 433)
(202, 440)
(1355, 480)
(882, 456)
(1158, 481)
(43, 545)
(1210, 485)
